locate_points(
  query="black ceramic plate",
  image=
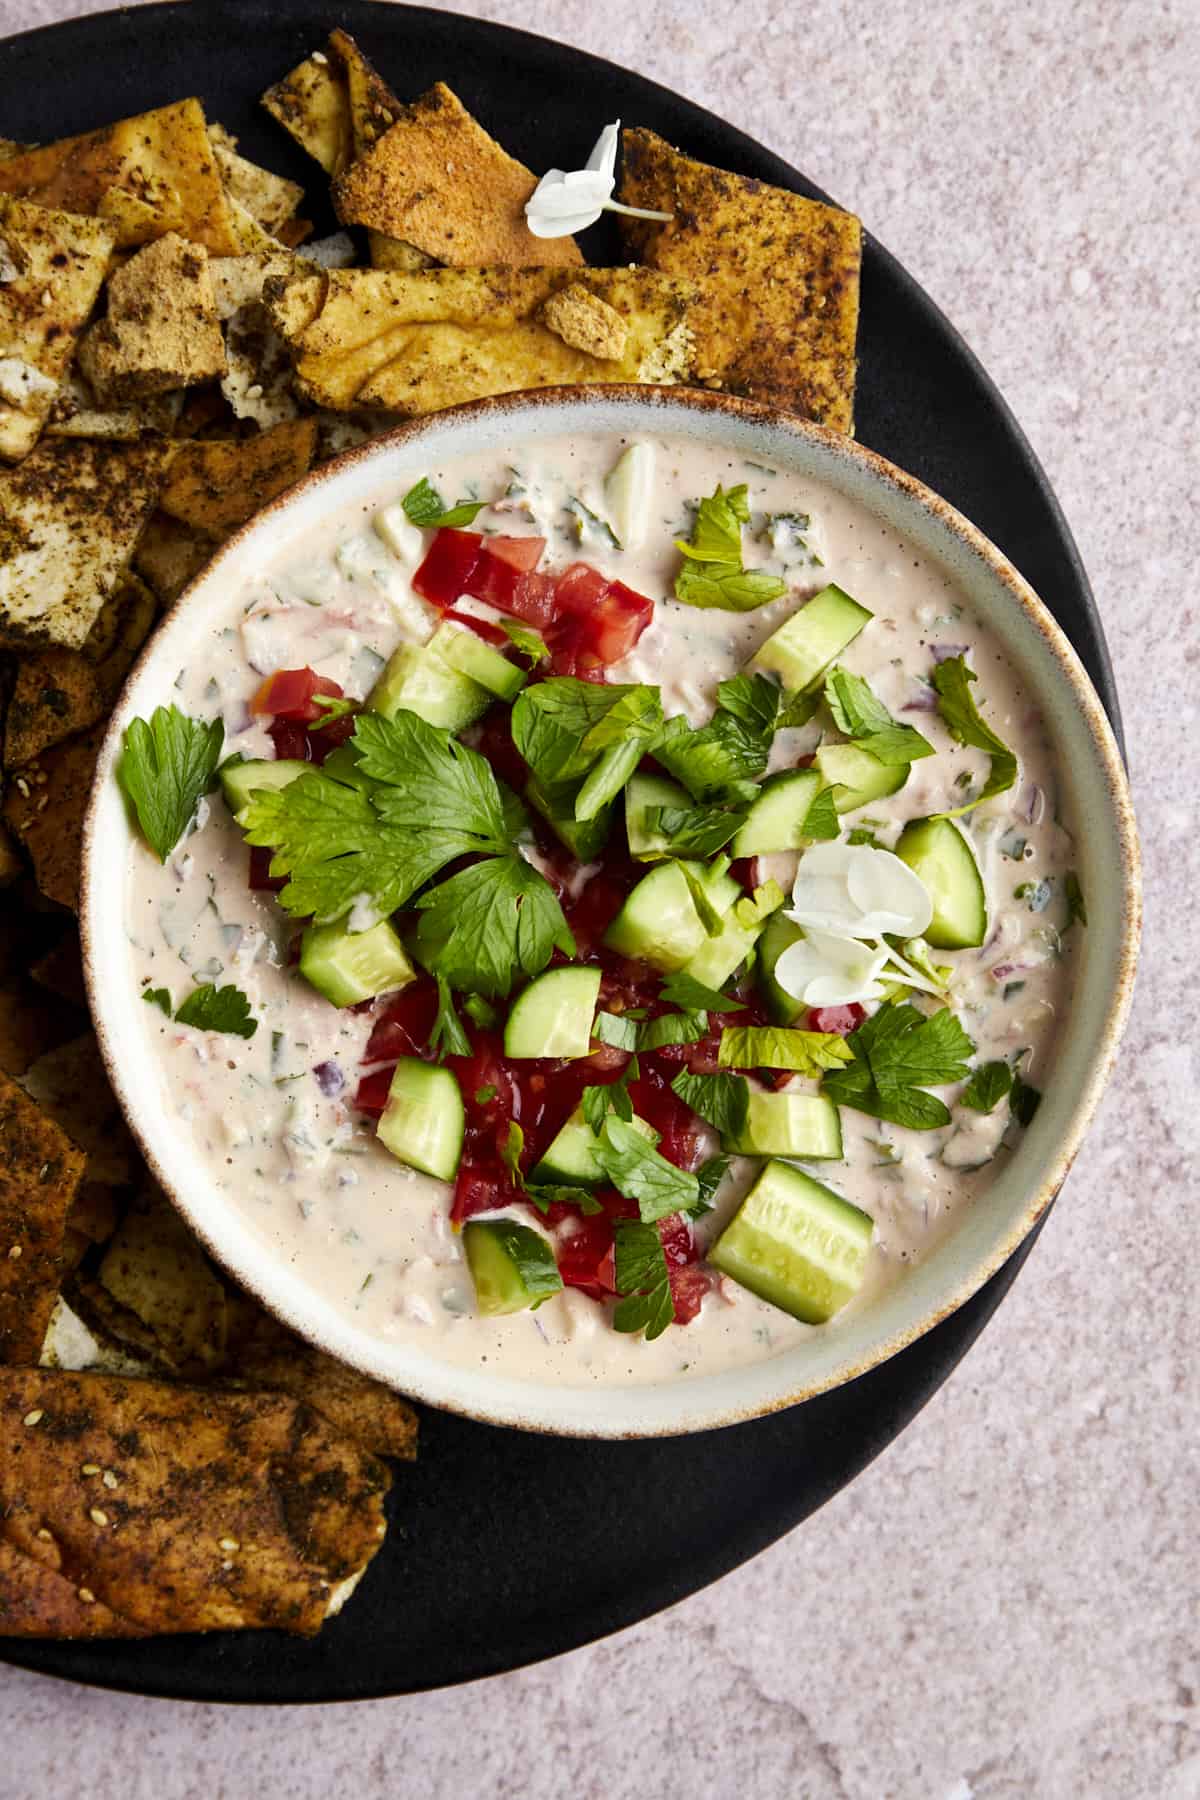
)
(506, 1547)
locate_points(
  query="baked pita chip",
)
(40, 1169)
(32, 1021)
(215, 486)
(56, 693)
(269, 1356)
(156, 1269)
(61, 971)
(95, 1212)
(44, 806)
(51, 268)
(417, 343)
(312, 104)
(157, 1508)
(143, 176)
(162, 330)
(70, 515)
(373, 108)
(169, 555)
(70, 1085)
(435, 179)
(780, 276)
(75, 412)
(122, 627)
(269, 199)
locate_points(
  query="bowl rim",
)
(1069, 668)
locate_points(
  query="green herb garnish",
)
(211, 1008)
(1076, 905)
(713, 573)
(808, 1053)
(953, 679)
(722, 1101)
(424, 506)
(637, 1170)
(642, 1276)
(898, 1052)
(165, 769)
(448, 1037)
(863, 717)
(988, 1085)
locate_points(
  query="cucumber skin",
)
(570, 1160)
(417, 1089)
(466, 654)
(512, 1267)
(880, 781)
(321, 968)
(240, 780)
(939, 852)
(776, 1127)
(573, 990)
(641, 793)
(584, 838)
(790, 1218)
(805, 645)
(774, 820)
(778, 934)
(414, 681)
(659, 923)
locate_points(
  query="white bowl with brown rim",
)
(980, 1239)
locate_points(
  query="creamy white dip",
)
(307, 1172)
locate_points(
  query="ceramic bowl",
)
(987, 1233)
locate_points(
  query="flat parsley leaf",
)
(510, 1152)
(642, 1276)
(863, 717)
(424, 506)
(953, 679)
(672, 1028)
(165, 768)
(158, 997)
(527, 643)
(582, 740)
(448, 1037)
(713, 573)
(210, 1008)
(897, 1052)
(596, 1101)
(709, 1177)
(637, 1170)
(721, 760)
(546, 1195)
(694, 996)
(693, 831)
(780, 1047)
(616, 1029)
(1023, 1100)
(988, 1085)
(723, 1101)
(489, 924)
(821, 821)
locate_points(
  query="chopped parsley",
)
(961, 717)
(635, 1169)
(722, 1101)
(988, 1085)
(582, 740)
(713, 573)
(210, 1008)
(861, 716)
(165, 768)
(448, 1037)
(897, 1053)
(694, 996)
(1076, 905)
(808, 1053)
(643, 1278)
(424, 506)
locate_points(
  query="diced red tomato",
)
(501, 583)
(404, 1025)
(842, 1019)
(524, 553)
(329, 737)
(449, 563)
(260, 880)
(290, 740)
(745, 870)
(679, 1131)
(688, 1288)
(372, 1093)
(480, 1188)
(289, 694)
(579, 591)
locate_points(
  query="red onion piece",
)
(330, 1079)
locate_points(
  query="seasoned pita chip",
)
(373, 1415)
(268, 198)
(435, 179)
(156, 1269)
(75, 412)
(56, 694)
(122, 627)
(373, 108)
(70, 515)
(160, 164)
(216, 486)
(40, 1170)
(69, 1343)
(169, 555)
(238, 280)
(161, 331)
(32, 1021)
(257, 382)
(95, 1213)
(44, 805)
(61, 971)
(417, 343)
(52, 266)
(779, 273)
(174, 1509)
(70, 1085)
(313, 106)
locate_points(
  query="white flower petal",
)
(884, 887)
(603, 159)
(823, 970)
(567, 201)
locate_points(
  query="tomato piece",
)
(688, 1288)
(260, 880)
(842, 1019)
(579, 591)
(524, 553)
(404, 1025)
(600, 621)
(372, 1093)
(289, 694)
(479, 1189)
(678, 1128)
(524, 593)
(330, 737)
(449, 564)
(744, 869)
(290, 740)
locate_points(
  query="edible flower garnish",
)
(567, 201)
(846, 897)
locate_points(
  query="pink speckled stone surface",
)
(1005, 1604)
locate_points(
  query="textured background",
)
(1005, 1603)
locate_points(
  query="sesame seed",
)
(90, 1469)
(87, 1596)
(22, 787)
(109, 1479)
(228, 1544)
(319, 56)
(45, 1536)
(45, 296)
(15, 1253)
(34, 1417)
(97, 1517)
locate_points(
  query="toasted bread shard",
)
(70, 515)
(216, 485)
(270, 199)
(55, 694)
(70, 1085)
(51, 268)
(436, 180)
(32, 1021)
(780, 273)
(229, 1510)
(162, 330)
(40, 1169)
(159, 168)
(312, 104)
(264, 1354)
(585, 322)
(155, 1267)
(417, 343)
(44, 806)
(169, 555)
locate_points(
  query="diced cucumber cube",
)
(659, 922)
(628, 491)
(803, 1125)
(774, 821)
(857, 777)
(241, 779)
(584, 838)
(643, 793)
(512, 1266)
(553, 1017)
(938, 851)
(415, 681)
(466, 652)
(349, 967)
(571, 1161)
(778, 934)
(805, 645)
(422, 1123)
(796, 1243)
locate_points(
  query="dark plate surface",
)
(473, 1578)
